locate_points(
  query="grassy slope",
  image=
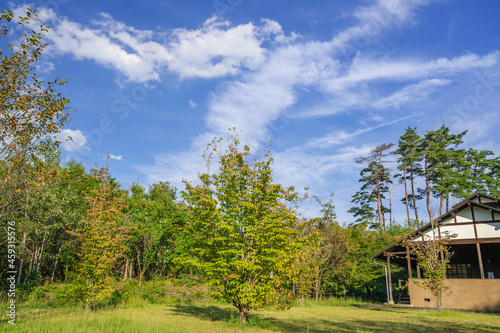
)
(217, 318)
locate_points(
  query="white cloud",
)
(213, 50)
(111, 157)
(192, 104)
(260, 97)
(45, 67)
(98, 45)
(72, 140)
(410, 92)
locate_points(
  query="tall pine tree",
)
(376, 179)
(409, 163)
(440, 155)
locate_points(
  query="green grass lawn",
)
(213, 317)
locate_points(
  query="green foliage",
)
(158, 221)
(478, 173)
(363, 211)
(127, 293)
(326, 258)
(359, 277)
(440, 161)
(60, 294)
(243, 229)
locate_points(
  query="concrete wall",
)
(470, 294)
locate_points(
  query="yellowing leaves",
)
(245, 235)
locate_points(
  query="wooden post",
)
(408, 262)
(418, 271)
(391, 300)
(480, 259)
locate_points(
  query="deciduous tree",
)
(103, 240)
(30, 109)
(244, 229)
(433, 256)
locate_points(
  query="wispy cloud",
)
(366, 69)
(342, 137)
(374, 20)
(356, 88)
(301, 168)
(412, 92)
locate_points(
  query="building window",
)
(459, 271)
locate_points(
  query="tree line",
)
(432, 166)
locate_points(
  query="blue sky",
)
(154, 81)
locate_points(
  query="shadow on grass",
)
(215, 313)
(212, 312)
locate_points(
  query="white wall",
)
(488, 230)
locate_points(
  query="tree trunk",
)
(55, 266)
(390, 206)
(131, 269)
(413, 198)
(439, 301)
(23, 242)
(244, 312)
(427, 188)
(379, 195)
(126, 270)
(317, 287)
(441, 203)
(21, 260)
(40, 254)
(30, 267)
(54, 271)
(406, 198)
